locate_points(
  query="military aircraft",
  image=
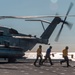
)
(14, 44)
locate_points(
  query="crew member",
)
(39, 55)
(65, 56)
(48, 55)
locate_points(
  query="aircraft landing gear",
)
(11, 60)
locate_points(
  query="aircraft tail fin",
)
(49, 30)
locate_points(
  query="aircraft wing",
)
(28, 17)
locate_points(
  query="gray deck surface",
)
(26, 67)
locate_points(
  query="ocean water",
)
(57, 55)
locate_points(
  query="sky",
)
(37, 8)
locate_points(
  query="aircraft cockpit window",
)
(13, 31)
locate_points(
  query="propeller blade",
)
(31, 17)
(38, 20)
(64, 22)
(69, 25)
(57, 37)
(68, 11)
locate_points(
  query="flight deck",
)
(26, 67)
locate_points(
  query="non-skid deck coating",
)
(27, 68)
